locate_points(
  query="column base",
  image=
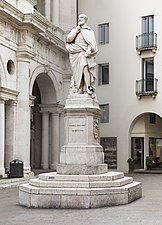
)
(53, 167)
(2, 172)
(45, 166)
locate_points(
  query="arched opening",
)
(146, 140)
(36, 128)
(43, 148)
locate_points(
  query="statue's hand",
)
(79, 23)
(78, 28)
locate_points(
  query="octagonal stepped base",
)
(53, 190)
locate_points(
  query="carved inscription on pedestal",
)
(77, 130)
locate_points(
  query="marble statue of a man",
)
(82, 49)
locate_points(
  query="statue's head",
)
(82, 19)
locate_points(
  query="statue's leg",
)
(87, 79)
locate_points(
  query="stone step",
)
(81, 184)
(109, 176)
(79, 191)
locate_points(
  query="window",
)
(152, 118)
(104, 113)
(103, 33)
(109, 145)
(103, 74)
(147, 24)
(148, 74)
(147, 31)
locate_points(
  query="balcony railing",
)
(146, 87)
(147, 41)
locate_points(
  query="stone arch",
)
(45, 118)
(136, 117)
(144, 133)
(50, 73)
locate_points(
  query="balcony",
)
(146, 87)
(147, 41)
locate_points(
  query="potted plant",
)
(150, 162)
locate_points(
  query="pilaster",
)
(55, 12)
(10, 131)
(23, 110)
(2, 136)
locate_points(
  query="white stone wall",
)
(124, 18)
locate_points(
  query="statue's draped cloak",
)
(77, 46)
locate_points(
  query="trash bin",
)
(16, 168)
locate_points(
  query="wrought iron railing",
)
(146, 41)
(147, 87)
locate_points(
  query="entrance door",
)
(138, 152)
(147, 31)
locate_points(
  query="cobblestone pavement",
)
(145, 211)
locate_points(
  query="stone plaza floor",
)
(145, 211)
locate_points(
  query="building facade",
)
(34, 81)
(129, 79)
(35, 76)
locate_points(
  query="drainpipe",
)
(77, 12)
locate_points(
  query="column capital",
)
(2, 100)
(31, 100)
(44, 113)
(55, 113)
(11, 102)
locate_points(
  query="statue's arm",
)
(72, 35)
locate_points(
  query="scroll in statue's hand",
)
(87, 53)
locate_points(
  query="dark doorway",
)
(137, 144)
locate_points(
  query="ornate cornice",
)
(36, 22)
(10, 11)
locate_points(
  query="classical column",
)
(45, 140)
(37, 137)
(55, 140)
(2, 136)
(10, 133)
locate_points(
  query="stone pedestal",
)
(81, 180)
(82, 153)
